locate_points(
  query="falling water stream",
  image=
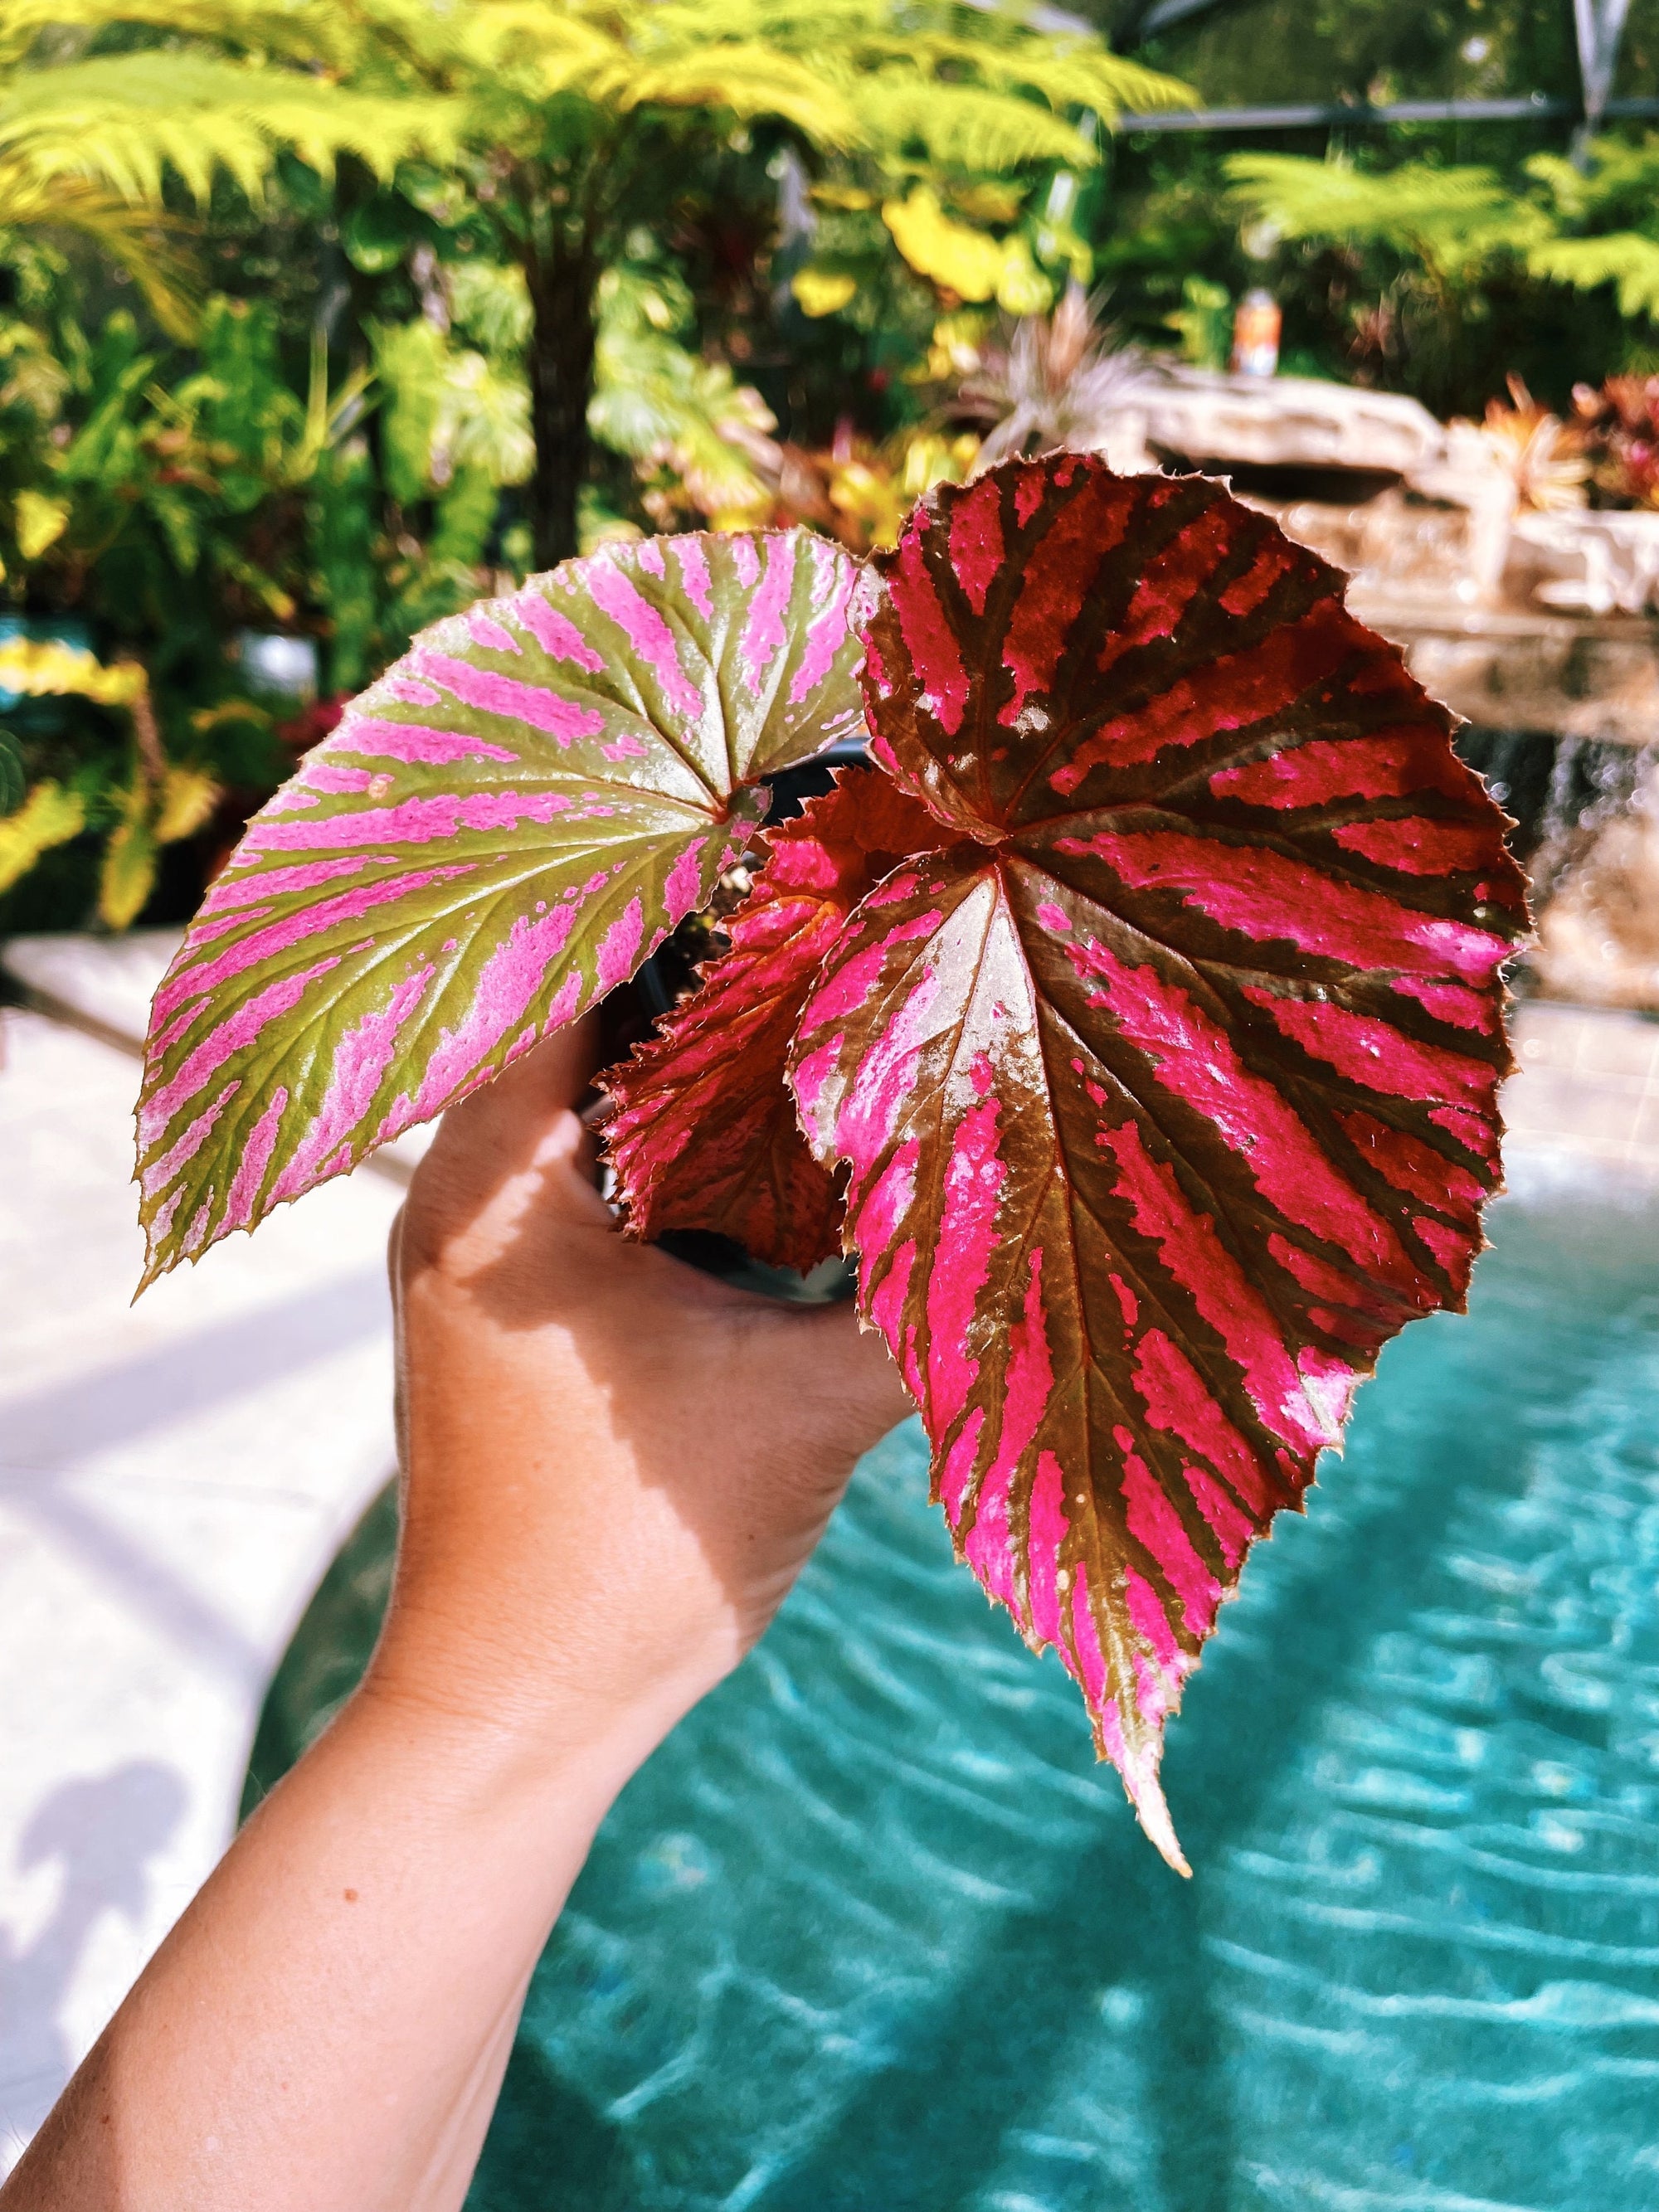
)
(1588, 832)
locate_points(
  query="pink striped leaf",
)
(498, 832)
(1167, 1090)
(705, 1135)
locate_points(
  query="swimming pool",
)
(873, 1932)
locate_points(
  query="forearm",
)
(326, 2028)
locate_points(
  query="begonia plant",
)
(1135, 1017)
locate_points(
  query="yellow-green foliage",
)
(88, 139)
(562, 130)
(1454, 220)
(162, 802)
(51, 815)
(1582, 227)
(1627, 258)
(38, 667)
(559, 119)
(670, 410)
(979, 88)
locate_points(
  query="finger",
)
(549, 1080)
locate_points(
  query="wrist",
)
(515, 1705)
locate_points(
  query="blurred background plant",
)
(1058, 379)
(317, 321)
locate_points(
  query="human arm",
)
(614, 1469)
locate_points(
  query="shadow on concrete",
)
(51, 1433)
(104, 1832)
(71, 1420)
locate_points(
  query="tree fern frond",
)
(1624, 258)
(748, 80)
(1450, 220)
(123, 120)
(143, 241)
(547, 38)
(969, 128)
(1066, 73)
(1329, 199)
(305, 31)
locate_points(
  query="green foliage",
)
(13, 784)
(88, 139)
(1454, 222)
(699, 439)
(1627, 260)
(50, 816)
(163, 506)
(446, 409)
(476, 238)
(583, 123)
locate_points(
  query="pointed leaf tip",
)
(1147, 1796)
(1167, 1094)
(499, 831)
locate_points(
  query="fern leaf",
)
(305, 32)
(1305, 199)
(1449, 219)
(969, 128)
(748, 80)
(144, 241)
(122, 121)
(1625, 258)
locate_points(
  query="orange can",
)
(1257, 325)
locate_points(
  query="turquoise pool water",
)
(872, 1934)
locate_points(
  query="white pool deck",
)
(175, 1476)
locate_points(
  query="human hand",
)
(615, 1466)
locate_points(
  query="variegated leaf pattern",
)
(1167, 1090)
(705, 1135)
(498, 832)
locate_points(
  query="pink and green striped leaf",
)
(1167, 1091)
(705, 1135)
(498, 833)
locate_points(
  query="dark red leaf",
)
(1169, 1093)
(706, 1136)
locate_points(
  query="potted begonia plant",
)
(1135, 1017)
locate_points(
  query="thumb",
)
(516, 1141)
(848, 1368)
